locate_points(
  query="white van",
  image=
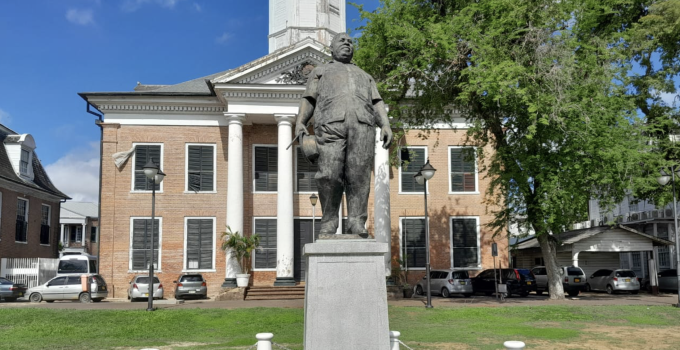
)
(77, 265)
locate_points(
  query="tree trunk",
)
(549, 250)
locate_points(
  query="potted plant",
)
(241, 247)
(400, 276)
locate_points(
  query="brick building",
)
(222, 141)
(29, 202)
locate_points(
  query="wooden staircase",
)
(275, 293)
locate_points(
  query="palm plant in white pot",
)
(242, 247)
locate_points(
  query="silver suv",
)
(573, 279)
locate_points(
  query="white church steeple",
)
(291, 21)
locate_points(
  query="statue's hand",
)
(386, 136)
(300, 129)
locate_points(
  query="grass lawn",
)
(541, 327)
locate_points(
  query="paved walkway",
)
(585, 299)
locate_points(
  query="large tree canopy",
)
(545, 83)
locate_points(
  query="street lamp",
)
(425, 173)
(156, 175)
(312, 199)
(663, 180)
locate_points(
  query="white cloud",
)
(77, 173)
(4, 118)
(197, 7)
(80, 17)
(224, 38)
(134, 5)
(671, 99)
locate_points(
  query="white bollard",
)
(514, 345)
(394, 340)
(264, 341)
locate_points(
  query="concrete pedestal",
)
(345, 295)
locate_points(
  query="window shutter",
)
(305, 173)
(141, 241)
(201, 168)
(142, 155)
(462, 172)
(266, 166)
(465, 247)
(265, 256)
(199, 244)
(414, 242)
(416, 160)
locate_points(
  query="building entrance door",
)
(303, 235)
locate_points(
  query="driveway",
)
(584, 299)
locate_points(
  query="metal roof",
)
(571, 237)
(71, 209)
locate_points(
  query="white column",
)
(62, 235)
(381, 200)
(234, 188)
(83, 236)
(284, 203)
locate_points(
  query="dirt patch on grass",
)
(616, 337)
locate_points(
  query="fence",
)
(29, 271)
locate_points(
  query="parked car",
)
(10, 291)
(191, 285)
(573, 279)
(446, 282)
(69, 288)
(668, 281)
(519, 281)
(613, 280)
(139, 288)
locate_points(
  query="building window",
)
(45, 225)
(305, 173)
(200, 246)
(140, 242)
(23, 165)
(75, 234)
(22, 221)
(265, 255)
(632, 204)
(463, 170)
(465, 242)
(413, 242)
(662, 231)
(201, 168)
(664, 257)
(142, 155)
(266, 168)
(412, 159)
(93, 234)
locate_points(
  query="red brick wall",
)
(173, 205)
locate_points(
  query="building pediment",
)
(273, 68)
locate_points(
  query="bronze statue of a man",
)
(346, 106)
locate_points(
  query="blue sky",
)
(51, 50)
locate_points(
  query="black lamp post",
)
(313, 199)
(425, 173)
(663, 180)
(156, 176)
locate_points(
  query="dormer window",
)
(23, 165)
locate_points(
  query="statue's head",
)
(342, 48)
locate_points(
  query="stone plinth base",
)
(345, 295)
(395, 292)
(231, 294)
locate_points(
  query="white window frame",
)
(49, 223)
(479, 241)
(186, 232)
(427, 188)
(401, 234)
(160, 244)
(29, 154)
(295, 173)
(134, 160)
(254, 190)
(186, 167)
(252, 256)
(28, 205)
(451, 191)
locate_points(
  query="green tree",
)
(538, 85)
